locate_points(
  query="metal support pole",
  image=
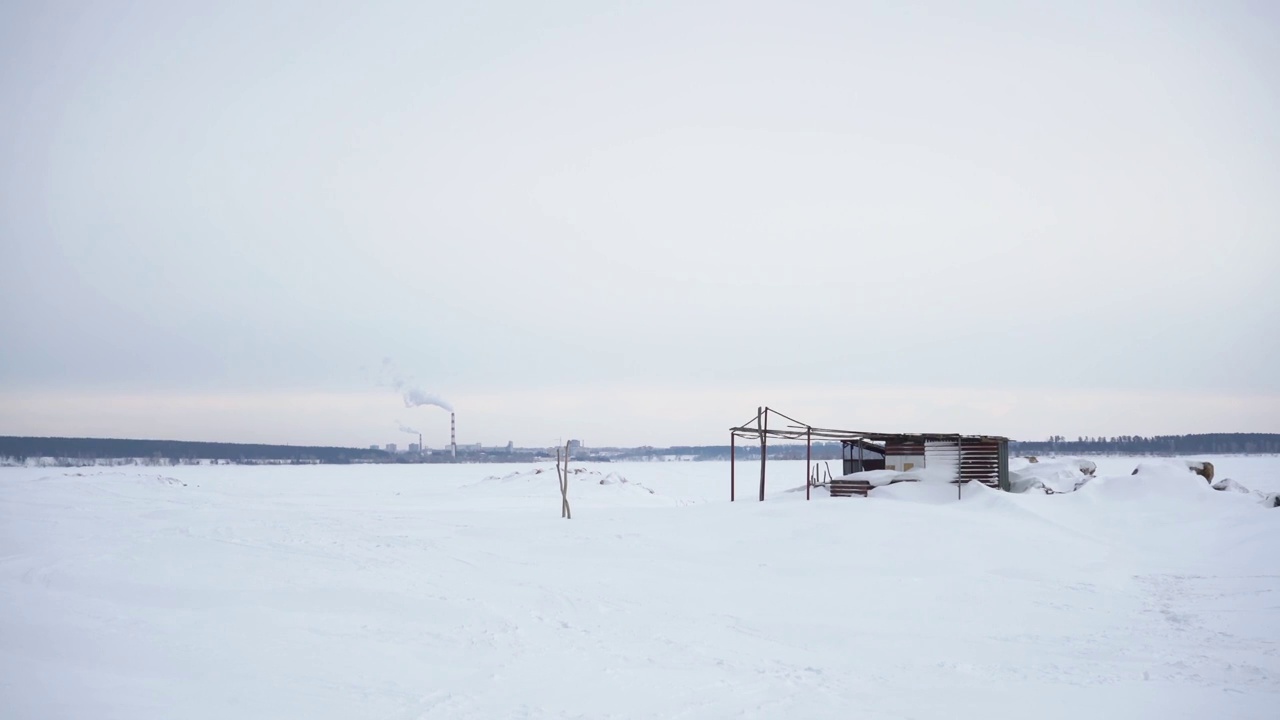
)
(764, 445)
(733, 450)
(959, 465)
(808, 461)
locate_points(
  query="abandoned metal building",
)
(966, 458)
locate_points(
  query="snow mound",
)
(1056, 476)
(932, 490)
(923, 485)
(929, 493)
(1195, 468)
(1229, 485)
(1151, 480)
(880, 478)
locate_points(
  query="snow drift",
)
(456, 591)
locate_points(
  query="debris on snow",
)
(579, 473)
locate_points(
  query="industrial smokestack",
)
(421, 450)
(453, 438)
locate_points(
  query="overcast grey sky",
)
(574, 219)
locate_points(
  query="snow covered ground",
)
(404, 592)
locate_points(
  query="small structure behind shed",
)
(862, 455)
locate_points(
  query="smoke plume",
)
(414, 397)
(406, 429)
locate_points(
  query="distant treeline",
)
(22, 448)
(1223, 443)
(87, 450)
(744, 451)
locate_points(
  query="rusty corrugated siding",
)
(980, 460)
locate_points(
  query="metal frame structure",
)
(758, 428)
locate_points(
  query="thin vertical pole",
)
(959, 465)
(560, 479)
(764, 442)
(568, 513)
(733, 451)
(808, 461)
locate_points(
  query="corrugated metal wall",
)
(980, 460)
(904, 455)
(942, 456)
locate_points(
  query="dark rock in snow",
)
(1203, 468)
(1229, 485)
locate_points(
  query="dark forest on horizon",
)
(1210, 443)
(21, 449)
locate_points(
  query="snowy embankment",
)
(458, 592)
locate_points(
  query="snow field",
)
(458, 592)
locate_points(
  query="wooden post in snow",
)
(562, 473)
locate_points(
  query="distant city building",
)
(511, 446)
(575, 444)
(375, 447)
(391, 447)
(413, 447)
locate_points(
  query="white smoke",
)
(413, 395)
(406, 429)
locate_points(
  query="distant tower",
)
(421, 447)
(453, 437)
